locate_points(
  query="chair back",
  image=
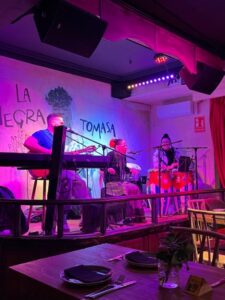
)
(208, 221)
(202, 247)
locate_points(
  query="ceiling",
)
(201, 22)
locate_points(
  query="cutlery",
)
(108, 289)
(217, 283)
(118, 257)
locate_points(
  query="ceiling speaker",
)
(205, 81)
(65, 26)
(119, 90)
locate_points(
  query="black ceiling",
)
(200, 21)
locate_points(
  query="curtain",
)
(217, 125)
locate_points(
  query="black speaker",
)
(119, 90)
(67, 27)
(205, 81)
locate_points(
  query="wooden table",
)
(39, 279)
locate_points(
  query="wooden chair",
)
(204, 236)
(196, 204)
(208, 221)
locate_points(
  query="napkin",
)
(141, 257)
(87, 273)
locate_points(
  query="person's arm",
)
(88, 149)
(31, 143)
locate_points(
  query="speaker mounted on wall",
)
(65, 26)
(205, 81)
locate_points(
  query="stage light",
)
(160, 58)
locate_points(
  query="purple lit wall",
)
(28, 95)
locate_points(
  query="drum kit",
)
(170, 179)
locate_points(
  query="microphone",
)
(70, 130)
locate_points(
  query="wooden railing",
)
(101, 201)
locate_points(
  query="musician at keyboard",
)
(71, 185)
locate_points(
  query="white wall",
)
(23, 110)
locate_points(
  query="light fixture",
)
(160, 58)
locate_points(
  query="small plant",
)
(175, 250)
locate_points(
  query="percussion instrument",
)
(135, 176)
(166, 178)
(181, 179)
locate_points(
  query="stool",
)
(44, 197)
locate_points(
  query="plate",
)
(102, 274)
(142, 260)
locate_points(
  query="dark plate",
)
(141, 259)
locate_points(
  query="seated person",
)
(115, 180)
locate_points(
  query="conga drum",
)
(166, 180)
(181, 179)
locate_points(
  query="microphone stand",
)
(104, 147)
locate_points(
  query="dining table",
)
(40, 279)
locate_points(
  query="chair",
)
(43, 180)
(209, 241)
(208, 221)
(196, 204)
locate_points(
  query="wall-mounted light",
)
(158, 79)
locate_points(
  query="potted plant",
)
(175, 250)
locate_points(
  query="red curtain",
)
(217, 125)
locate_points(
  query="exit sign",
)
(199, 124)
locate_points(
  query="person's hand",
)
(111, 171)
(134, 171)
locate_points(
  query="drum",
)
(133, 177)
(181, 179)
(166, 179)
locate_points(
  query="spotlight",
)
(160, 58)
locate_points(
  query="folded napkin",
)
(141, 257)
(87, 273)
